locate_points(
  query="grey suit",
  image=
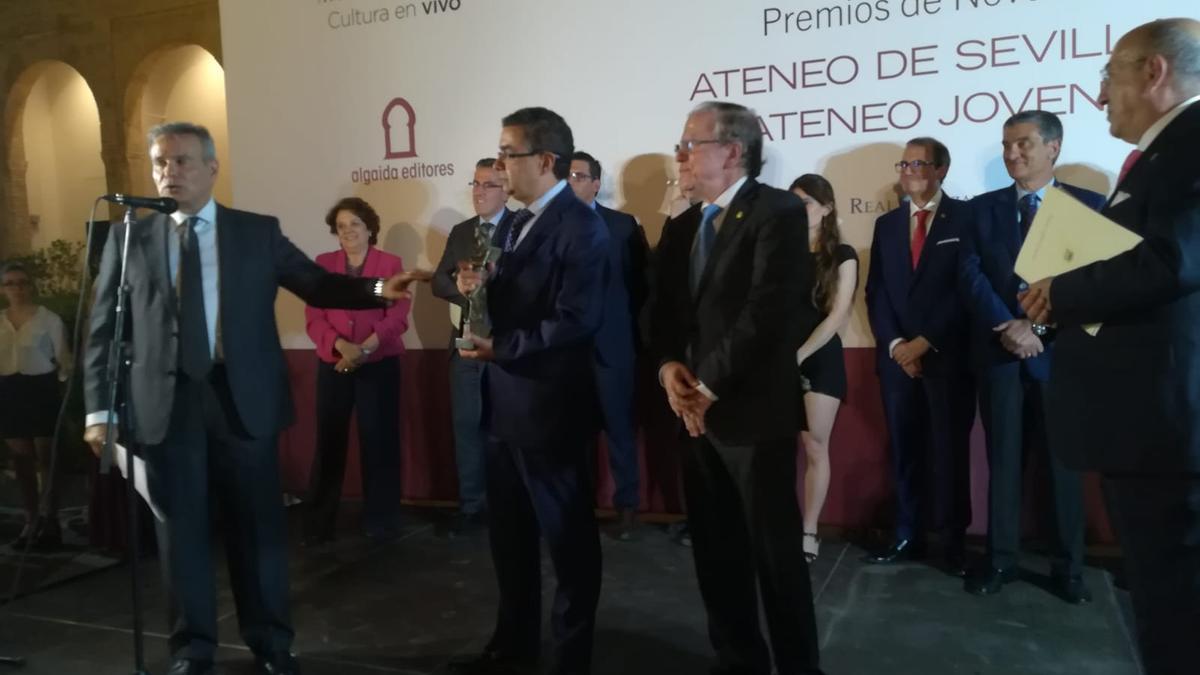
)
(213, 441)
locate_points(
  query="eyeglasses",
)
(688, 147)
(505, 155)
(915, 165)
(485, 185)
(1106, 71)
(580, 176)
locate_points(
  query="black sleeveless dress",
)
(825, 369)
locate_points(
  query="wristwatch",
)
(1040, 329)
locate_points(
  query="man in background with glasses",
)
(617, 341)
(488, 198)
(727, 317)
(546, 301)
(921, 338)
(1011, 357)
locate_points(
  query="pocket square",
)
(953, 240)
(1119, 197)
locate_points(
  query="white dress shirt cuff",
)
(892, 346)
(98, 418)
(707, 392)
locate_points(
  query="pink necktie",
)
(1129, 162)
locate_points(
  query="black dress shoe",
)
(902, 549)
(191, 667)
(955, 560)
(491, 663)
(1072, 590)
(284, 664)
(681, 534)
(623, 529)
(466, 525)
(990, 581)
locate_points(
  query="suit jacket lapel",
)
(1004, 216)
(154, 243)
(732, 227)
(227, 257)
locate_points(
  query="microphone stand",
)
(118, 373)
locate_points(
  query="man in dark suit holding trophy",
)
(545, 301)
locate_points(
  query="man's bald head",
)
(1153, 68)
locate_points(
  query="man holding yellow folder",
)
(1126, 400)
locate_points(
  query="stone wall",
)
(112, 43)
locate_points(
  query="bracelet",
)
(366, 350)
(378, 289)
(1039, 329)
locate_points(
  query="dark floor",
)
(409, 606)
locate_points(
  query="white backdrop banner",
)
(395, 101)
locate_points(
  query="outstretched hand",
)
(396, 286)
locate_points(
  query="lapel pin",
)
(738, 215)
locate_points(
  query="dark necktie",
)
(520, 218)
(195, 354)
(704, 244)
(1026, 210)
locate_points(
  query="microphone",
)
(161, 204)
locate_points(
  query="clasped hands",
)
(1016, 335)
(908, 354)
(684, 395)
(353, 356)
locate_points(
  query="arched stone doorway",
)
(56, 169)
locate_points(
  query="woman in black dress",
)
(832, 282)
(34, 361)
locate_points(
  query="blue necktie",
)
(520, 218)
(1026, 209)
(704, 243)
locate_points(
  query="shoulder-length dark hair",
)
(360, 208)
(829, 237)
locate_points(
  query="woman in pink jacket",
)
(359, 371)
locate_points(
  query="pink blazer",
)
(325, 326)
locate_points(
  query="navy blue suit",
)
(929, 418)
(616, 348)
(1012, 391)
(541, 412)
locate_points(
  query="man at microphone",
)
(208, 390)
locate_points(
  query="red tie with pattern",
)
(918, 236)
(1129, 162)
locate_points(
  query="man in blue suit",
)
(1011, 355)
(921, 339)
(617, 340)
(546, 300)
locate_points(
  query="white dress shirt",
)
(1156, 128)
(38, 347)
